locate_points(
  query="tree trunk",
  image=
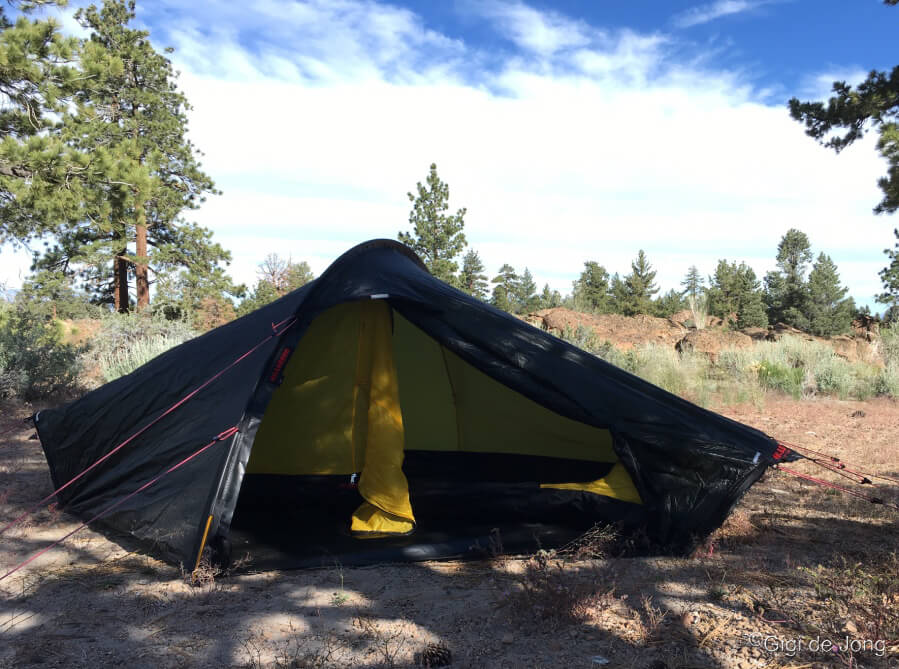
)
(141, 268)
(120, 282)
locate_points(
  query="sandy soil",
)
(745, 599)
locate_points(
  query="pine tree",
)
(298, 275)
(890, 278)
(638, 287)
(550, 299)
(132, 120)
(526, 299)
(693, 283)
(668, 304)
(505, 290)
(591, 289)
(618, 295)
(786, 290)
(53, 295)
(830, 311)
(472, 278)
(734, 289)
(40, 177)
(436, 237)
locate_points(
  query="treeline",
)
(803, 293)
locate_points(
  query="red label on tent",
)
(779, 452)
(279, 365)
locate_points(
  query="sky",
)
(570, 131)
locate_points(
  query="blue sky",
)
(571, 131)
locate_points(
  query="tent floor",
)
(301, 522)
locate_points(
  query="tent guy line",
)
(834, 486)
(838, 463)
(28, 512)
(222, 436)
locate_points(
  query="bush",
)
(126, 341)
(777, 376)
(34, 363)
(888, 381)
(794, 366)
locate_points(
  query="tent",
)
(400, 416)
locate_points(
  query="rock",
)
(508, 639)
(756, 334)
(627, 333)
(712, 342)
(688, 618)
(850, 627)
(682, 316)
(623, 332)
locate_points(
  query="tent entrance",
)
(444, 453)
(338, 413)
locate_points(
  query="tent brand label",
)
(779, 452)
(275, 376)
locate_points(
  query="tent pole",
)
(202, 546)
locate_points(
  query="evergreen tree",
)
(693, 283)
(618, 295)
(53, 295)
(669, 303)
(638, 287)
(830, 311)
(734, 289)
(786, 290)
(591, 289)
(132, 120)
(526, 299)
(506, 288)
(437, 238)
(890, 278)
(550, 299)
(40, 177)
(472, 278)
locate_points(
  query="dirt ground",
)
(790, 571)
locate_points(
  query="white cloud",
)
(715, 10)
(819, 86)
(541, 32)
(317, 117)
(611, 149)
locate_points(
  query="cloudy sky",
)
(571, 131)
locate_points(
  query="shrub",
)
(126, 341)
(34, 362)
(777, 376)
(888, 381)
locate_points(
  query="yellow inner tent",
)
(364, 385)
